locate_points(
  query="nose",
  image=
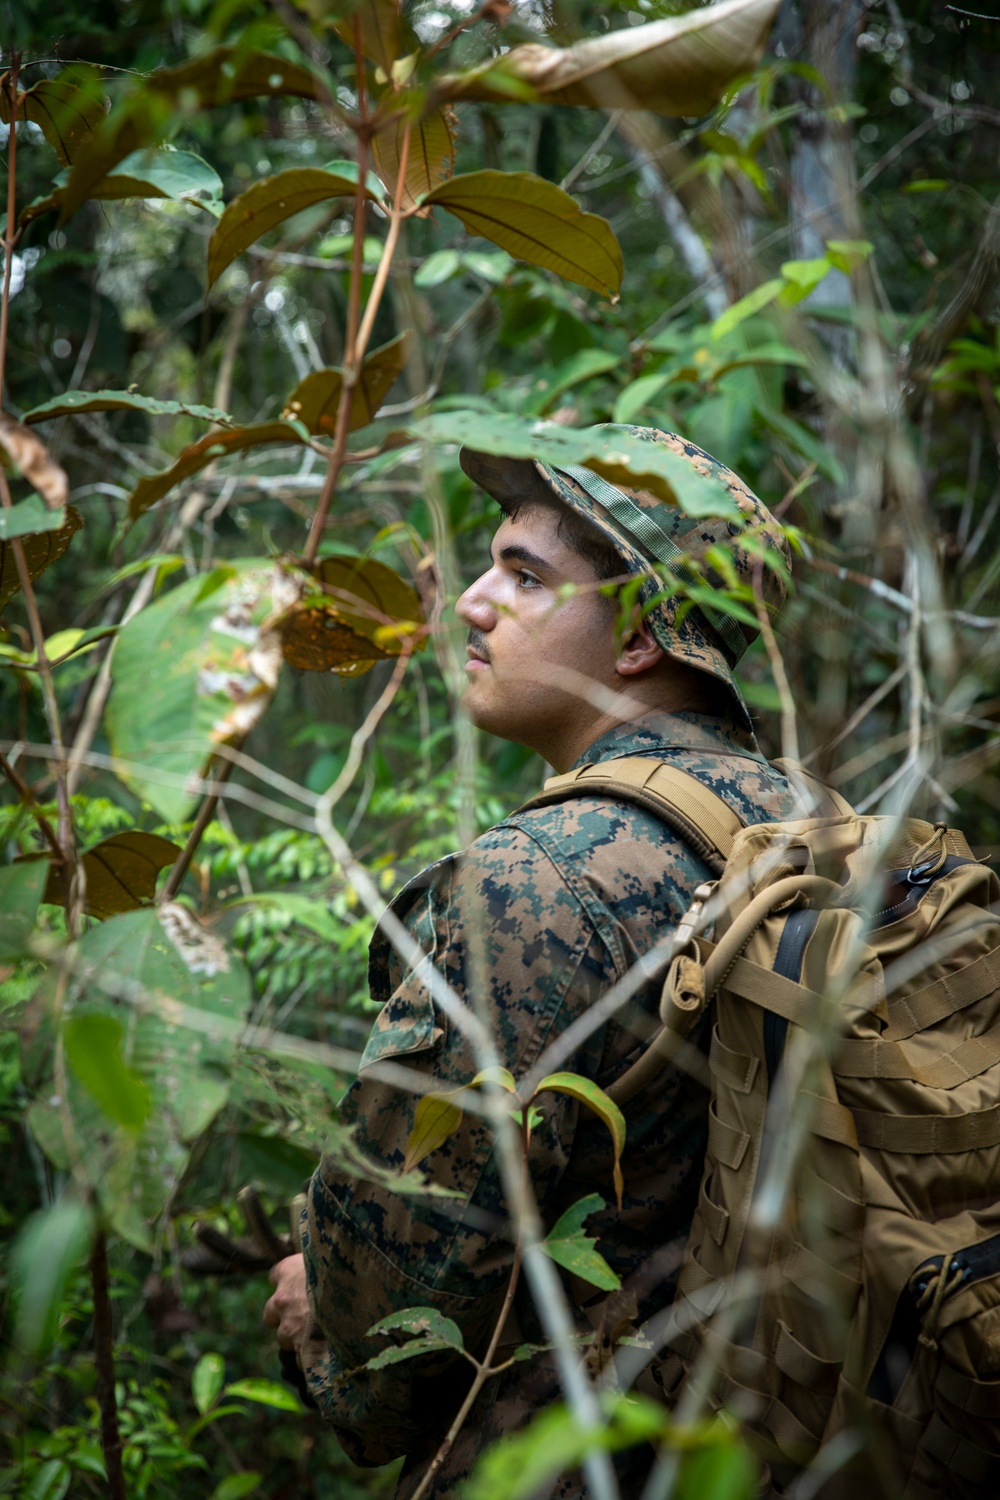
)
(476, 606)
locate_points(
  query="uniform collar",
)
(681, 730)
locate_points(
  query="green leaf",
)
(216, 445)
(765, 354)
(746, 307)
(30, 517)
(77, 401)
(46, 1253)
(847, 255)
(439, 267)
(206, 1381)
(435, 1119)
(575, 1251)
(273, 200)
(41, 550)
(424, 1322)
(214, 669)
(265, 1393)
(616, 455)
(803, 277)
(225, 75)
(94, 1050)
(799, 438)
(678, 66)
(67, 109)
(236, 1486)
(535, 221)
(21, 888)
(152, 173)
(585, 1091)
(639, 393)
(725, 1470)
(585, 364)
(120, 872)
(927, 185)
(316, 398)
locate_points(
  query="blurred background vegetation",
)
(859, 398)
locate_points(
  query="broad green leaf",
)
(120, 871)
(439, 267)
(94, 1049)
(47, 1252)
(30, 517)
(215, 445)
(316, 398)
(431, 158)
(214, 671)
(50, 1481)
(41, 549)
(585, 1091)
(180, 1000)
(616, 455)
(265, 1393)
(492, 265)
(799, 438)
(67, 109)
(21, 888)
(575, 1251)
(77, 401)
(586, 364)
(367, 612)
(236, 1486)
(29, 454)
(499, 1076)
(747, 306)
(148, 173)
(678, 66)
(535, 221)
(726, 1470)
(206, 1381)
(435, 1120)
(425, 1322)
(61, 647)
(397, 1353)
(225, 75)
(803, 277)
(847, 255)
(273, 200)
(766, 354)
(639, 393)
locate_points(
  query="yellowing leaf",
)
(537, 222)
(120, 871)
(499, 1076)
(316, 398)
(216, 445)
(431, 158)
(41, 549)
(678, 66)
(435, 1119)
(587, 1092)
(26, 449)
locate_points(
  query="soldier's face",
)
(541, 648)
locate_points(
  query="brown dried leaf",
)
(381, 31)
(431, 159)
(41, 549)
(26, 449)
(371, 615)
(120, 871)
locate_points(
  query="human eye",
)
(528, 580)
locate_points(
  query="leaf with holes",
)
(681, 65)
(120, 871)
(273, 200)
(535, 221)
(431, 159)
(585, 1091)
(575, 1251)
(435, 1120)
(213, 648)
(225, 75)
(316, 399)
(198, 455)
(29, 454)
(41, 549)
(368, 612)
(71, 402)
(425, 1323)
(67, 109)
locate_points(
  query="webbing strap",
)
(928, 1135)
(726, 1144)
(829, 1119)
(645, 525)
(715, 1216)
(964, 1458)
(936, 1001)
(801, 1365)
(785, 997)
(871, 1058)
(980, 1398)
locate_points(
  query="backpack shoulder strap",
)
(701, 817)
(826, 802)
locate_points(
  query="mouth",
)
(478, 655)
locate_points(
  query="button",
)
(735, 527)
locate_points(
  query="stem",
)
(27, 796)
(205, 814)
(104, 1359)
(11, 234)
(357, 337)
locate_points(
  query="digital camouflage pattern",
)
(756, 545)
(541, 914)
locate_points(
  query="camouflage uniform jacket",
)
(549, 908)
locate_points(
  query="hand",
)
(288, 1310)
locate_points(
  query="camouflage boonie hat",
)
(648, 534)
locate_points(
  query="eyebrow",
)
(516, 553)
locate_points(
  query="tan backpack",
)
(841, 1284)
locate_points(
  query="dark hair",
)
(586, 540)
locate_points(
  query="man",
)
(538, 918)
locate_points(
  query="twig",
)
(27, 796)
(364, 732)
(205, 814)
(608, 130)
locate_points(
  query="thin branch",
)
(27, 796)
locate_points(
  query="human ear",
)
(638, 652)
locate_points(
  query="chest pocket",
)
(407, 1023)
